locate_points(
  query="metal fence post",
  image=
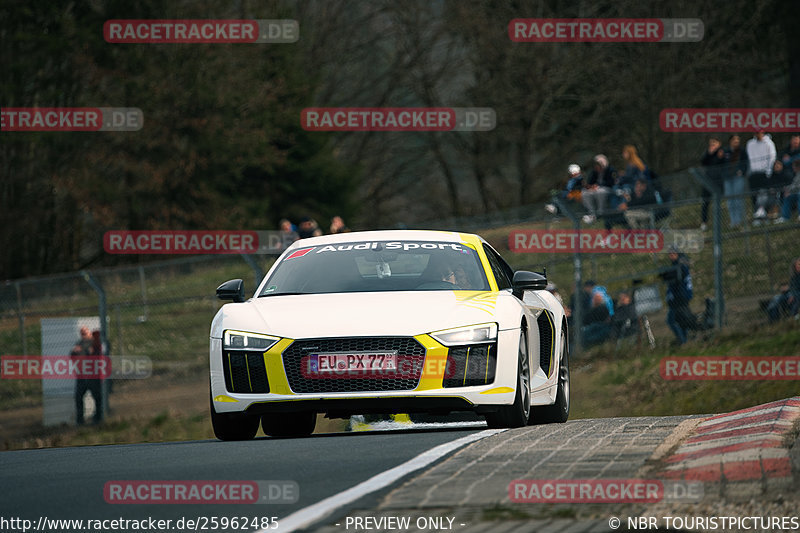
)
(102, 310)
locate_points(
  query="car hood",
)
(361, 314)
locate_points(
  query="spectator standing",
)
(712, 161)
(791, 195)
(734, 182)
(788, 299)
(572, 190)
(638, 207)
(598, 187)
(86, 346)
(761, 157)
(781, 179)
(338, 225)
(679, 292)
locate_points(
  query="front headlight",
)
(469, 335)
(241, 340)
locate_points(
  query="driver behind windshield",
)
(457, 276)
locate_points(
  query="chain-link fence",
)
(159, 312)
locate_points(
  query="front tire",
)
(559, 411)
(289, 424)
(233, 426)
(517, 414)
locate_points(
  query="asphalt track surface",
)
(67, 483)
(454, 471)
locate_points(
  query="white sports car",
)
(387, 322)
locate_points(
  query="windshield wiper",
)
(282, 294)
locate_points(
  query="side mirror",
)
(527, 281)
(231, 290)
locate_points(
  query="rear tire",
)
(559, 411)
(233, 426)
(289, 424)
(517, 414)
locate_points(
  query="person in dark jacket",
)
(713, 162)
(734, 180)
(679, 292)
(624, 323)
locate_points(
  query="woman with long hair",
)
(635, 168)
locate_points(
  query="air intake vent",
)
(468, 366)
(245, 372)
(546, 336)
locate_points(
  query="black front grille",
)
(410, 360)
(546, 333)
(470, 365)
(244, 372)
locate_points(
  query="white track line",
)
(308, 515)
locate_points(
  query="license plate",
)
(356, 362)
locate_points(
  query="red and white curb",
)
(744, 448)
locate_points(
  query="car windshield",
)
(378, 266)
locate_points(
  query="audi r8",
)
(387, 322)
